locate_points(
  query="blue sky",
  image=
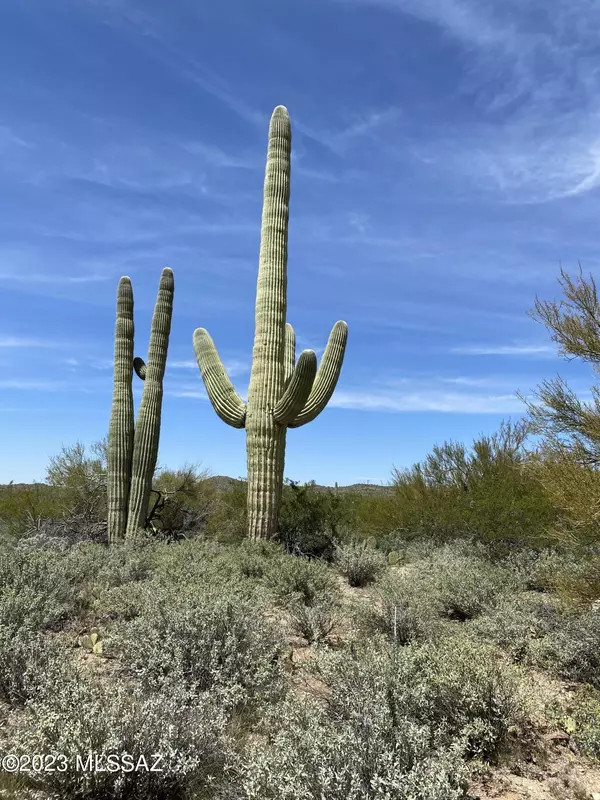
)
(446, 160)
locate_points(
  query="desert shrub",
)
(206, 638)
(365, 757)
(537, 569)
(78, 716)
(395, 722)
(196, 561)
(577, 578)
(573, 651)
(517, 622)
(32, 592)
(406, 611)
(466, 585)
(454, 686)
(360, 564)
(26, 658)
(315, 622)
(22, 506)
(292, 579)
(585, 722)
(81, 480)
(486, 493)
(311, 521)
(254, 558)
(572, 487)
(227, 522)
(182, 501)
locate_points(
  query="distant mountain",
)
(223, 483)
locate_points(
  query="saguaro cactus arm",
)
(221, 393)
(298, 390)
(139, 366)
(327, 376)
(121, 427)
(147, 428)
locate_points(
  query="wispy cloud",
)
(534, 62)
(51, 278)
(428, 401)
(25, 342)
(505, 350)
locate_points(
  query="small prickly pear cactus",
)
(283, 393)
(394, 558)
(371, 542)
(92, 642)
(133, 447)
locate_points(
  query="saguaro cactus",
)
(133, 448)
(282, 394)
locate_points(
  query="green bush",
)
(76, 717)
(395, 722)
(573, 650)
(205, 638)
(293, 578)
(516, 623)
(586, 722)
(537, 569)
(311, 521)
(406, 611)
(360, 564)
(466, 585)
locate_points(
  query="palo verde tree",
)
(567, 459)
(559, 415)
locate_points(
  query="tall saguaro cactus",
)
(133, 447)
(282, 394)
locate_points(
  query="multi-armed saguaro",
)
(133, 448)
(282, 394)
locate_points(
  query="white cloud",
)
(434, 401)
(504, 350)
(25, 342)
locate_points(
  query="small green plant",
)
(92, 641)
(394, 558)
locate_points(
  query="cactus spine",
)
(133, 448)
(282, 393)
